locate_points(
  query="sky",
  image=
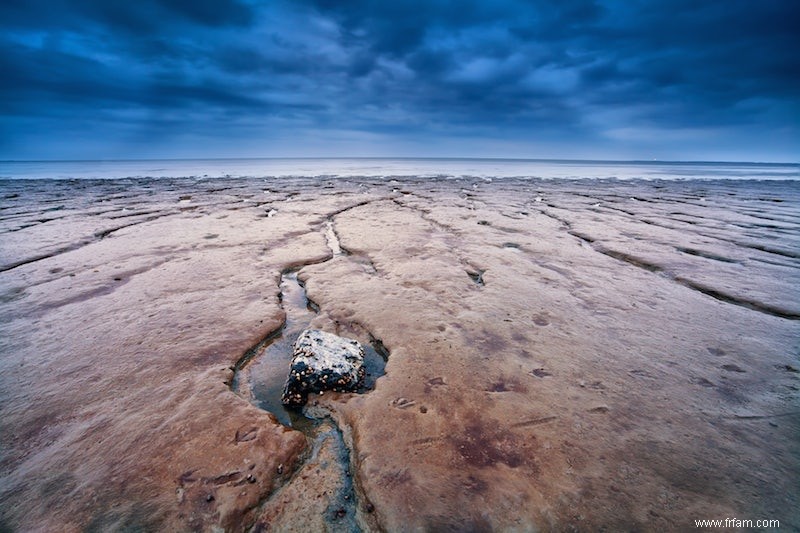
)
(611, 79)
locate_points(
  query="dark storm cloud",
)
(578, 71)
(706, 55)
(123, 16)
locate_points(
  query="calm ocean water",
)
(383, 168)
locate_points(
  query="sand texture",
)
(562, 355)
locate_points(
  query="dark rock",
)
(323, 361)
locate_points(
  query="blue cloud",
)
(578, 74)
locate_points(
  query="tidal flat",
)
(548, 354)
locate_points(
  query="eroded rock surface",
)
(564, 355)
(323, 362)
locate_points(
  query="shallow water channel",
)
(261, 374)
(260, 377)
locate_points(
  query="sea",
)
(442, 168)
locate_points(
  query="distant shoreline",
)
(449, 168)
(369, 158)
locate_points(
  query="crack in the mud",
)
(335, 245)
(708, 291)
(706, 255)
(128, 215)
(764, 417)
(741, 302)
(333, 214)
(658, 269)
(565, 223)
(707, 233)
(361, 507)
(105, 233)
(425, 215)
(630, 259)
(699, 287)
(58, 251)
(98, 236)
(738, 242)
(332, 239)
(474, 273)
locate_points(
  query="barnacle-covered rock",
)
(323, 361)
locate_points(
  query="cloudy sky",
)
(607, 79)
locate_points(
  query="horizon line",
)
(405, 158)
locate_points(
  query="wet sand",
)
(560, 355)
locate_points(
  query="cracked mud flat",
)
(563, 355)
